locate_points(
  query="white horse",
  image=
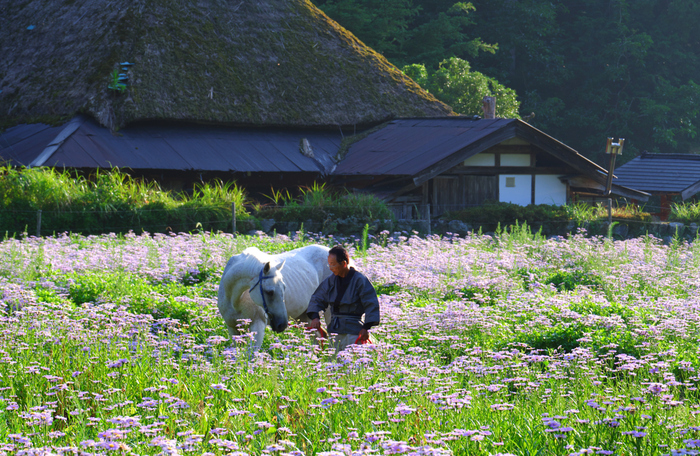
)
(253, 287)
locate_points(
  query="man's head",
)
(338, 261)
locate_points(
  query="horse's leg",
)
(232, 330)
(257, 327)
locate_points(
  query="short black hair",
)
(340, 254)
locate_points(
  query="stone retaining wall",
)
(352, 226)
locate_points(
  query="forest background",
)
(587, 69)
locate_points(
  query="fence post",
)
(428, 213)
(38, 223)
(233, 216)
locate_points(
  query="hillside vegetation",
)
(587, 69)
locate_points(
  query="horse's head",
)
(268, 292)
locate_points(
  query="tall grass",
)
(579, 213)
(488, 346)
(685, 212)
(111, 201)
(321, 203)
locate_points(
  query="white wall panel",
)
(520, 193)
(549, 190)
(515, 159)
(481, 160)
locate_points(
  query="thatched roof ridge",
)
(237, 62)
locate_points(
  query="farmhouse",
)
(261, 92)
(664, 176)
(456, 162)
(190, 90)
(177, 155)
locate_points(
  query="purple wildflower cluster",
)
(480, 351)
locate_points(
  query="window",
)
(510, 181)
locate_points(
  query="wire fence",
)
(283, 219)
(43, 222)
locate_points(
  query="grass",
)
(333, 210)
(111, 201)
(506, 344)
(685, 212)
(533, 214)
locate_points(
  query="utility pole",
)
(613, 149)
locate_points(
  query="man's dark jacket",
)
(359, 298)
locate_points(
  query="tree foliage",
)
(588, 69)
(410, 31)
(431, 39)
(464, 90)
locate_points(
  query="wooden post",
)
(489, 107)
(609, 211)
(233, 216)
(38, 223)
(665, 207)
(428, 215)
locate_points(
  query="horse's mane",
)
(250, 262)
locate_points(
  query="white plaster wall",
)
(520, 194)
(515, 159)
(481, 160)
(549, 190)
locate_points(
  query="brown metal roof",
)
(423, 148)
(408, 146)
(664, 173)
(82, 143)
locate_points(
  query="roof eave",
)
(480, 145)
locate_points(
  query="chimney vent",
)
(489, 107)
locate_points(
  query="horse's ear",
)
(281, 265)
(266, 268)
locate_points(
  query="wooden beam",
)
(425, 190)
(498, 189)
(492, 171)
(501, 149)
(586, 182)
(464, 153)
(404, 189)
(70, 128)
(562, 152)
(690, 191)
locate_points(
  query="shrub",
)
(111, 201)
(508, 214)
(320, 203)
(536, 214)
(685, 212)
(569, 280)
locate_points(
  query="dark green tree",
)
(438, 34)
(596, 68)
(410, 31)
(381, 24)
(587, 69)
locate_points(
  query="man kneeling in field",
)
(350, 295)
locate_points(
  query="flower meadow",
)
(511, 344)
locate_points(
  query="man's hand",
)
(364, 335)
(315, 324)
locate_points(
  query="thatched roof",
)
(238, 62)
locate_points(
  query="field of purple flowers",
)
(513, 344)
